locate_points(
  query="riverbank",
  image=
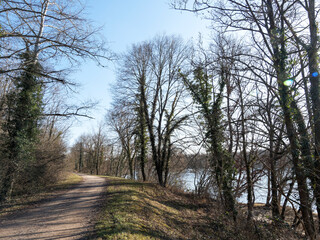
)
(135, 210)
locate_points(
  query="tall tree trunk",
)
(6, 188)
(277, 36)
(305, 203)
(273, 171)
(315, 97)
(81, 156)
(273, 179)
(245, 157)
(142, 127)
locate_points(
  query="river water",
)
(189, 178)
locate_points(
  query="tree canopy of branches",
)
(283, 38)
(207, 89)
(148, 85)
(37, 37)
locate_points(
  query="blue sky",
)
(126, 22)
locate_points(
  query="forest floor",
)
(135, 210)
(68, 214)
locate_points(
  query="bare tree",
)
(122, 123)
(207, 89)
(148, 85)
(267, 22)
(36, 37)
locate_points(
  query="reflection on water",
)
(189, 178)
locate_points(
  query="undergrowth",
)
(135, 210)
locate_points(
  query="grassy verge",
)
(135, 210)
(25, 201)
(71, 179)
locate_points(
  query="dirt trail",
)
(68, 216)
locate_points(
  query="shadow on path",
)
(68, 216)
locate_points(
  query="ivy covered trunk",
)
(22, 123)
(142, 129)
(220, 159)
(278, 42)
(313, 57)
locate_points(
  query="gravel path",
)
(69, 216)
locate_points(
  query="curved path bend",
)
(68, 216)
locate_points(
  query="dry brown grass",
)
(135, 210)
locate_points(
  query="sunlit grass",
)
(70, 179)
(135, 210)
(143, 211)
